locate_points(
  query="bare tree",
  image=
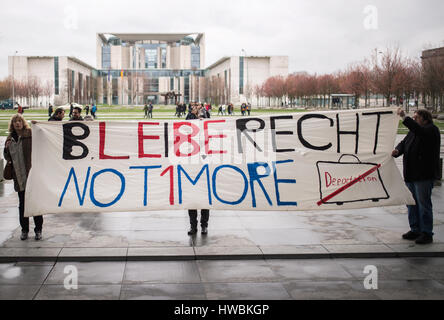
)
(387, 72)
(47, 90)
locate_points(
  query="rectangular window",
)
(73, 84)
(241, 75)
(151, 85)
(115, 92)
(106, 57)
(187, 89)
(164, 58)
(171, 84)
(80, 85)
(195, 57)
(56, 75)
(150, 58)
(105, 89)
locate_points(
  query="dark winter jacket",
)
(26, 144)
(421, 150)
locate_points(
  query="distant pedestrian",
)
(94, 110)
(50, 110)
(150, 110)
(145, 109)
(87, 110)
(249, 108)
(243, 109)
(71, 107)
(20, 109)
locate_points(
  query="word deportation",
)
(243, 127)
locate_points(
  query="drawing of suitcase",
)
(349, 181)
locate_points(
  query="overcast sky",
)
(319, 36)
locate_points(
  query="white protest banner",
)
(302, 161)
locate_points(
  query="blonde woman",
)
(18, 148)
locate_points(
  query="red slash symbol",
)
(348, 185)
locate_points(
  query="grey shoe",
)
(24, 236)
(38, 236)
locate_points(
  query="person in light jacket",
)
(18, 148)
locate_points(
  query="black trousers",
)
(24, 222)
(204, 217)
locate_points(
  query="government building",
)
(137, 68)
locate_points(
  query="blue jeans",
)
(421, 215)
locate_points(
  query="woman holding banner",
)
(18, 148)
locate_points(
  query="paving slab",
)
(359, 250)
(292, 252)
(176, 291)
(246, 291)
(24, 254)
(18, 292)
(160, 253)
(11, 274)
(234, 253)
(329, 290)
(95, 254)
(310, 269)
(89, 273)
(161, 272)
(410, 290)
(82, 292)
(410, 249)
(226, 271)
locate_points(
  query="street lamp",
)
(13, 80)
(246, 93)
(377, 53)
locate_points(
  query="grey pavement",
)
(275, 279)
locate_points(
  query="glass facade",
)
(186, 85)
(72, 83)
(195, 57)
(241, 75)
(115, 93)
(150, 85)
(105, 89)
(56, 75)
(106, 57)
(164, 57)
(148, 74)
(150, 58)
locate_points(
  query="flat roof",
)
(132, 37)
(76, 60)
(223, 59)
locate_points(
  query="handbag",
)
(7, 172)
